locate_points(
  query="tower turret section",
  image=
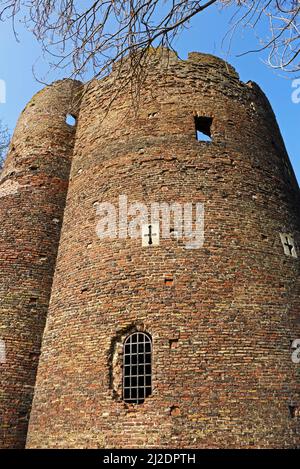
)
(33, 188)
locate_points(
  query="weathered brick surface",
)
(222, 369)
(33, 187)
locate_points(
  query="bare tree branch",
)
(283, 40)
(91, 36)
(88, 38)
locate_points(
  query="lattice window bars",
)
(137, 368)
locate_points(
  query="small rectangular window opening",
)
(168, 281)
(203, 128)
(292, 410)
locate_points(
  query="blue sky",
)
(205, 34)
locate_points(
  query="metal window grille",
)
(137, 368)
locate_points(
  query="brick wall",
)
(222, 329)
(33, 187)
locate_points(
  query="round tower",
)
(177, 335)
(33, 187)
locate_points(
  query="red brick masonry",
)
(222, 324)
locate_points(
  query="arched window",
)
(137, 368)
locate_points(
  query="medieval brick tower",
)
(150, 342)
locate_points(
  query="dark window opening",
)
(203, 128)
(292, 409)
(169, 281)
(173, 343)
(137, 368)
(70, 120)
